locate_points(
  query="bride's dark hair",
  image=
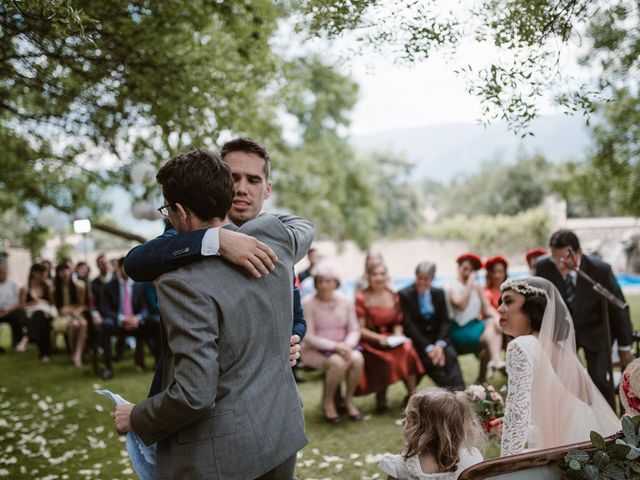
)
(534, 306)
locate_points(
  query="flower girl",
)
(441, 436)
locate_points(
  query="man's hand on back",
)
(249, 253)
(294, 350)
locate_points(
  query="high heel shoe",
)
(493, 367)
(332, 420)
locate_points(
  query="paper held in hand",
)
(143, 457)
(394, 340)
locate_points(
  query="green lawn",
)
(52, 424)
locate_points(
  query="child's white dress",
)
(409, 469)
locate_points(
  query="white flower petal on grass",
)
(35, 396)
(353, 456)
(315, 451)
(398, 423)
(339, 467)
(369, 458)
(4, 472)
(332, 458)
(71, 403)
(43, 405)
(358, 464)
(99, 429)
(99, 408)
(323, 465)
(299, 455)
(366, 418)
(127, 471)
(3, 423)
(308, 463)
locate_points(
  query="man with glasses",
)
(585, 305)
(227, 407)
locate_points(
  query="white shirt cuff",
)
(211, 242)
(625, 348)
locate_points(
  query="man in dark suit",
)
(427, 322)
(125, 311)
(585, 304)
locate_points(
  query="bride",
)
(552, 401)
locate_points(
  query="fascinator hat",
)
(536, 252)
(630, 388)
(472, 258)
(488, 265)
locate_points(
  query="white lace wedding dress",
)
(574, 419)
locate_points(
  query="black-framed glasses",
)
(164, 209)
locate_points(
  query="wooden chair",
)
(535, 465)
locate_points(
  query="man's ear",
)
(267, 190)
(183, 213)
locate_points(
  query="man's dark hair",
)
(200, 182)
(247, 145)
(564, 238)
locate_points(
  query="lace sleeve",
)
(517, 412)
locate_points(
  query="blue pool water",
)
(629, 283)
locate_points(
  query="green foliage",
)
(63, 252)
(616, 461)
(88, 89)
(530, 36)
(399, 202)
(502, 233)
(500, 188)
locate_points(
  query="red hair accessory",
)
(488, 265)
(472, 258)
(535, 253)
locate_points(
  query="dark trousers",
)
(16, 319)
(449, 376)
(598, 368)
(39, 331)
(148, 332)
(284, 471)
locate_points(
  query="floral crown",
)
(522, 287)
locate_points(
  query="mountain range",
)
(441, 152)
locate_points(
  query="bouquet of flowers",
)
(488, 402)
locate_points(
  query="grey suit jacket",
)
(229, 407)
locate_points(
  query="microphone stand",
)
(606, 297)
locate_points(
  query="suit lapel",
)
(582, 286)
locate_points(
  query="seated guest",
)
(37, 301)
(532, 258)
(70, 300)
(475, 327)
(10, 311)
(125, 311)
(330, 345)
(380, 317)
(427, 323)
(442, 435)
(496, 268)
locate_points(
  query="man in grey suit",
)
(229, 407)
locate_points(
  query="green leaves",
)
(597, 441)
(616, 461)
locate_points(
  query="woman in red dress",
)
(496, 268)
(380, 316)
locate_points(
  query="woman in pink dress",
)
(330, 344)
(380, 316)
